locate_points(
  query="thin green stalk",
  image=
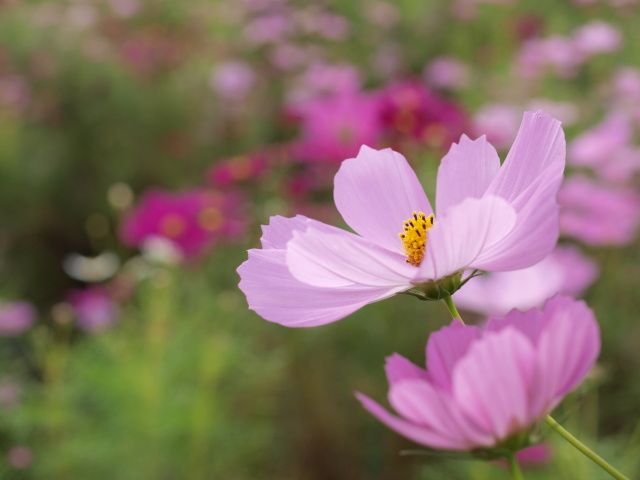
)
(582, 448)
(514, 467)
(452, 308)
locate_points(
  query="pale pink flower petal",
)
(550, 383)
(499, 401)
(424, 404)
(376, 192)
(270, 289)
(327, 256)
(399, 368)
(415, 432)
(538, 148)
(445, 347)
(466, 171)
(270, 286)
(463, 235)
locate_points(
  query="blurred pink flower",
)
(596, 37)
(447, 73)
(333, 128)
(498, 122)
(557, 53)
(540, 454)
(320, 80)
(232, 80)
(16, 318)
(564, 54)
(482, 389)
(190, 220)
(597, 214)
(270, 28)
(19, 457)
(626, 84)
(607, 149)
(408, 108)
(381, 13)
(94, 308)
(14, 94)
(564, 271)
(489, 217)
(231, 171)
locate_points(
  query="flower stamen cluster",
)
(414, 237)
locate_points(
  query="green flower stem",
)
(514, 467)
(452, 308)
(602, 463)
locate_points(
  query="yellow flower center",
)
(414, 237)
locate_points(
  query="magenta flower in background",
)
(489, 217)
(408, 108)
(231, 171)
(333, 128)
(191, 220)
(16, 318)
(94, 308)
(481, 389)
(564, 271)
(597, 214)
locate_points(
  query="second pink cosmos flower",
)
(488, 217)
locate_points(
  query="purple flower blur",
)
(484, 389)
(94, 308)
(597, 214)
(489, 217)
(16, 318)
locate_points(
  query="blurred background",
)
(144, 142)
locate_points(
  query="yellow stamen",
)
(414, 237)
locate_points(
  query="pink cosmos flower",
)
(565, 270)
(483, 388)
(488, 217)
(191, 220)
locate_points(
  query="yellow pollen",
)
(414, 237)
